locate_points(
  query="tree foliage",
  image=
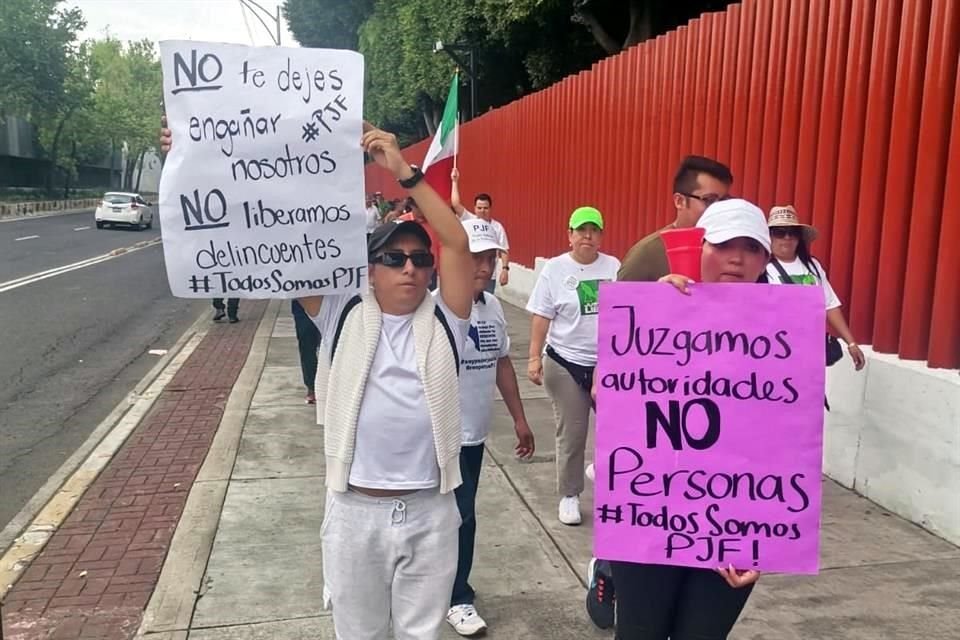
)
(85, 100)
(521, 45)
(37, 39)
(329, 24)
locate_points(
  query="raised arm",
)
(455, 192)
(456, 263)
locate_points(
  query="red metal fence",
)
(849, 110)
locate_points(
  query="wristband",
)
(412, 181)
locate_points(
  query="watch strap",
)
(412, 181)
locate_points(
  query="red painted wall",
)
(848, 110)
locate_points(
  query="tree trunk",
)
(641, 23)
(55, 151)
(427, 113)
(128, 172)
(139, 170)
(66, 183)
(113, 159)
(585, 17)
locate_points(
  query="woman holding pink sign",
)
(656, 602)
(563, 345)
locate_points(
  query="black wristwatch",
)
(413, 180)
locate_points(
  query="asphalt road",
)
(72, 346)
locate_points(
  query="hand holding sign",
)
(262, 196)
(709, 427)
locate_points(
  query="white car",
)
(124, 208)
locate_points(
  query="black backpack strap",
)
(446, 327)
(347, 308)
(784, 278)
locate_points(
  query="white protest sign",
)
(262, 193)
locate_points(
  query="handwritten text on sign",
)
(262, 193)
(709, 426)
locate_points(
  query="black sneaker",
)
(600, 595)
(234, 319)
(219, 315)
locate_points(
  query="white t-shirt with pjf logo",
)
(487, 341)
(567, 293)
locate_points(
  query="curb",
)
(27, 534)
(48, 213)
(170, 610)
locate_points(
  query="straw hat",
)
(786, 216)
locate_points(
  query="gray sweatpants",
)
(389, 560)
(571, 410)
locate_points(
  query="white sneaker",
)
(465, 620)
(570, 510)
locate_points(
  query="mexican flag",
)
(438, 163)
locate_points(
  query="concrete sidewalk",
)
(245, 561)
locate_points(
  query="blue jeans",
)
(471, 462)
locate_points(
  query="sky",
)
(203, 20)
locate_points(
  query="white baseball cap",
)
(734, 218)
(482, 236)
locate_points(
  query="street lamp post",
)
(453, 50)
(253, 6)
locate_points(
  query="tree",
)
(58, 116)
(521, 45)
(618, 25)
(36, 40)
(331, 24)
(127, 100)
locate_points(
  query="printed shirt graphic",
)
(800, 274)
(487, 342)
(567, 293)
(588, 292)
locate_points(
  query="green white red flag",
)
(440, 158)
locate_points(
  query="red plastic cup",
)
(684, 250)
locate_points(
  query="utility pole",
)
(257, 9)
(453, 50)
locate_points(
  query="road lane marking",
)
(9, 285)
(25, 238)
(81, 228)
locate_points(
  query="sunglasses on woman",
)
(784, 232)
(397, 259)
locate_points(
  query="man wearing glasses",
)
(699, 182)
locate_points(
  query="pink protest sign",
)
(709, 426)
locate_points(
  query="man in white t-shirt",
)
(388, 396)
(482, 208)
(484, 362)
(373, 215)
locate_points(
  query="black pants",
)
(232, 305)
(308, 341)
(656, 602)
(471, 462)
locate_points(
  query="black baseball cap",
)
(383, 233)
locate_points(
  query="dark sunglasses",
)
(784, 232)
(707, 199)
(397, 259)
